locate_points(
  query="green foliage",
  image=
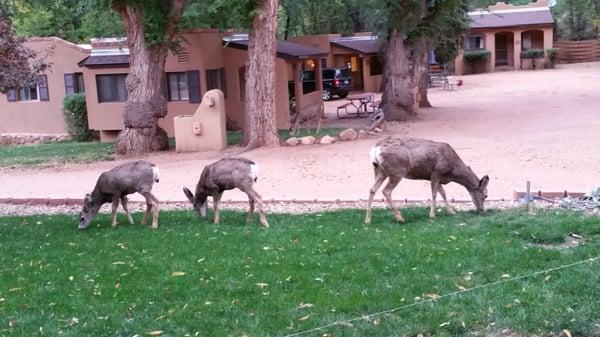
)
(532, 53)
(75, 113)
(55, 153)
(221, 14)
(308, 270)
(575, 19)
(477, 56)
(551, 53)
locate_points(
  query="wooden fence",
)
(578, 51)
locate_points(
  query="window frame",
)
(475, 36)
(181, 77)
(115, 76)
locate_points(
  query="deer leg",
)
(152, 203)
(251, 210)
(443, 194)
(387, 192)
(259, 203)
(124, 204)
(115, 205)
(379, 179)
(216, 199)
(147, 214)
(435, 184)
(318, 117)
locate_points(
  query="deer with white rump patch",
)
(114, 186)
(412, 158)
(227, 174)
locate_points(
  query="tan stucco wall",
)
(548, 37)
(319, 42)
(205, 51)
(44, 117)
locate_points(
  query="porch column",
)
(490, 44)
(517, 48)
(319, 76)
(296, 68)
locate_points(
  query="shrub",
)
(476, 56)
(532, 53)
(75, 113)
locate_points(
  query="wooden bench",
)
(345, 108)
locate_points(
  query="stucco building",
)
(506, 30)
(38, 109)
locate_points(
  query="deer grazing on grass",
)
(305, 115)
(411, 158)
(227, 174)
(114, 186)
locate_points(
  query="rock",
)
(362, 134)
(327, 139)
(378, 130)
(308, 140)
(292, 141)
(348, 134)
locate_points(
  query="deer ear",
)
(484, 181)
(188, 194)
(88, 199)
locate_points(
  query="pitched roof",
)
(511, 17)
(104, 60)
(285, 49)
(361, 45)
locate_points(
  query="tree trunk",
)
(260, 127)
(400, 89)
(146, 102)
(422, 72)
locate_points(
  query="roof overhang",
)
(285, 49)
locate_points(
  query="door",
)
(501, 49)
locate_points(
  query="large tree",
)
(150, 27)
(19, 65)
(260, 128)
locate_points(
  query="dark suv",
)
(336, 81)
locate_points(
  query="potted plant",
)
(532, 59)
(551, 54)
(478, 59)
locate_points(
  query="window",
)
(309, 81)
(215, 79)
(30, 93)
(375, 66)
(526, 41)
(324, 62)
(178, 86)
(111, 88)
(242, 79)
(475, 42)
(74, 83)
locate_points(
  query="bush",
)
(75, 113)
(532, 53)
(476, 56)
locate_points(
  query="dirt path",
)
(542, 126)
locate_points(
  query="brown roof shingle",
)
(285, 49)
(511, 18)
(361, 46)
(104, 60)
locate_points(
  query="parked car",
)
(336, 82)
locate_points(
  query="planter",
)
(526, 64)
(538, 63)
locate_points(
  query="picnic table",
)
(358, 101)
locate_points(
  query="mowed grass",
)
(193, 278)
(55, 153)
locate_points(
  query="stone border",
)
(30, 138)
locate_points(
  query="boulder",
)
(293, 141)
(308, 140)
(327, 139)
(348, 134)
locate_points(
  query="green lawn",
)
(55, 153)
(192, 278)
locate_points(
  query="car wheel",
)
(343, 95)
(326, 95)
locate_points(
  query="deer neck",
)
(465, 177)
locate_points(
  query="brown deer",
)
(420, 159)
(305, 115)
(114, 186)
(227, 174)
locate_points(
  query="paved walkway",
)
(542, 126)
